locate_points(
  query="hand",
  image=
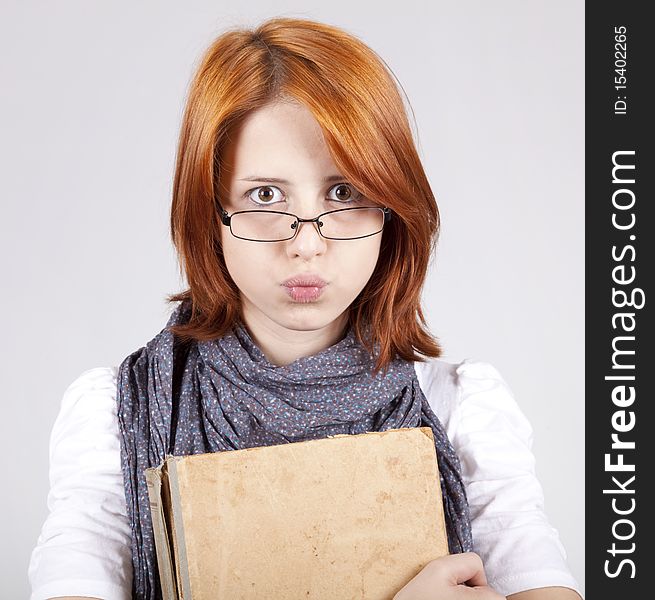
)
(443, 579)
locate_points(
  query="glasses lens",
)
(265, 226)
(352, 223)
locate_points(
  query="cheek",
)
(246, 261)
(359, 264)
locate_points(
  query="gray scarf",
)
(224, 394)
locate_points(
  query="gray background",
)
(90, 110)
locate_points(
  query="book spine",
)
(179, 538)
(162, 542)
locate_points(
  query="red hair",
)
(354, 98)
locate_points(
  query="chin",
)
(306, 318)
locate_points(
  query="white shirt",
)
(84, 545)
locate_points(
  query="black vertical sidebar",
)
(619, 333)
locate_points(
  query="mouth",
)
(304, 293)
(304, 288)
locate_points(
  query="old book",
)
(343, 517)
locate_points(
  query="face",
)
(284, 141)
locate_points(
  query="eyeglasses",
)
(274, 226)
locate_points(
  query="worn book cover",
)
(347, 516)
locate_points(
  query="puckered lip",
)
(305, 280)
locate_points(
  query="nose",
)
(309, 223)
(307, 239)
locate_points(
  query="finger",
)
(483, 592)
(467, 568)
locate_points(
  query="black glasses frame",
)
(226, 220)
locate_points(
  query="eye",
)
(346, 193)
(264, 194)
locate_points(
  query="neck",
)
(283, 345)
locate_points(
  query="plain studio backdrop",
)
(91, 104)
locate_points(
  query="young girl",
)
(304, 224)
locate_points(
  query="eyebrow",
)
(260, 178)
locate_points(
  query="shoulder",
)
(98, 381)
(87, 406)
(96, 378)
(463, 373)
(465, 392)
(467, 374)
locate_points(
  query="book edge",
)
(182, 564)
(165, 560)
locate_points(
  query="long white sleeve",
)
(519, 548)
(84, 545)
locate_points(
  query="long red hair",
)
(354, 98)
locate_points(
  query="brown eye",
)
(342, 192)
(265, 193)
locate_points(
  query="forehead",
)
(278, 139)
